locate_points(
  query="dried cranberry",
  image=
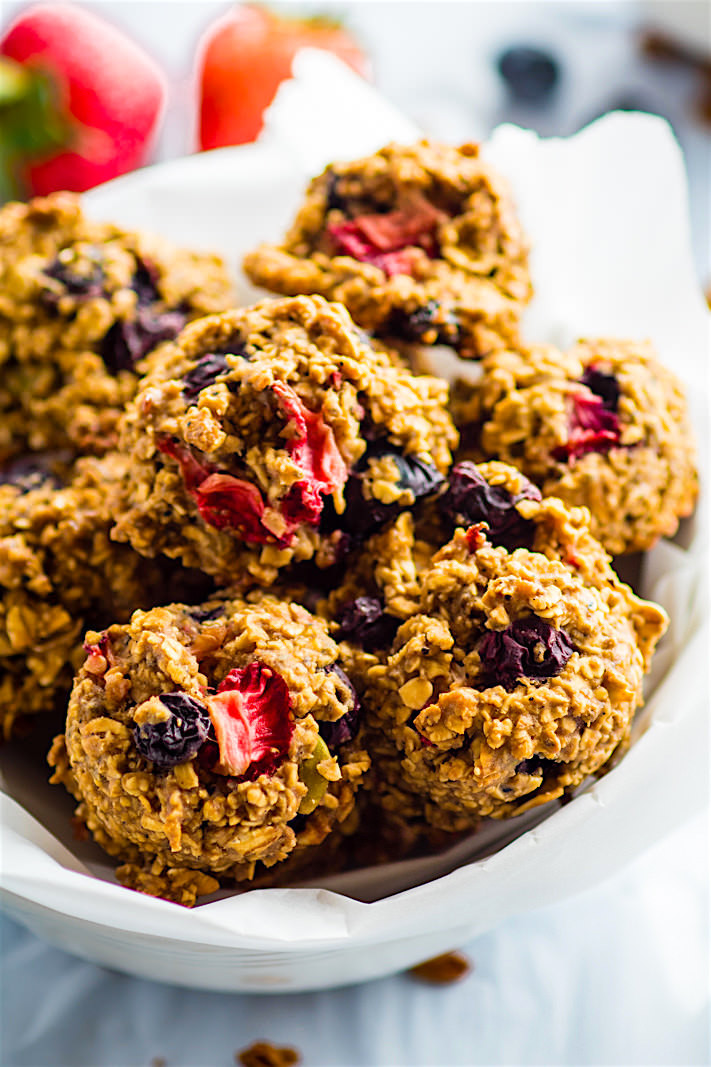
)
(592, 427)
(606, 386)
(365, 622)
(253, 719)
(427, 323)
(470, 499)
(343, 729)
(177, 738)
(528, 648)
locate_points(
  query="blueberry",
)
(427, 324)
(528, 648)
(530, 73)
(603, 385)
(343, 729)
(178, 737)
(365, 622)
(470, 500)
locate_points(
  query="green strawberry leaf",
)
(31, 124)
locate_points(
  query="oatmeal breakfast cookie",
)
(502, 670)
(59, 573)
(81, 303)
(604, 425)
(420, 242)
(204, 743)
(276, 434)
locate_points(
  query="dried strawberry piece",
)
(313, 448)
(592, 428)
(222, 500)
(384, 239)
(253, 719)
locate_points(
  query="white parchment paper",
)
(606, 212)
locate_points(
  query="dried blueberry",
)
(470, 500)
(427, 324)
(40, 468)
(204, 373)
(200, 614)
(365, 622)
(343, 729)
(86, 286)
(129, 340)
(334, 200)
(603, 385)
(530, 73)
(528, 648)
(364, 516)
(177, 738)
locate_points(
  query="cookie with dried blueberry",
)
(490, 641)
(514, 682)
(81, 304)
(420, 242)
(604, 426)
(60, 573)
(276, 434)
(206, 744)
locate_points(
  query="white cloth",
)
(616, 975)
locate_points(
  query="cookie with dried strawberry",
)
(499, 662)
(81, 304)
(206, 744)
(420, 242)
(604, 425)
(276, 434)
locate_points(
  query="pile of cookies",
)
(297, 604)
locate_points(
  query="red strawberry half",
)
(253, 720)
(84, 100)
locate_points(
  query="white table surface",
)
(618, 975)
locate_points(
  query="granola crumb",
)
(442, 970)
(264, 1054)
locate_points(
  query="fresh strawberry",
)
(253, 720)
(80, 101)
(244, 58)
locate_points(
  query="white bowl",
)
(605, 261)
